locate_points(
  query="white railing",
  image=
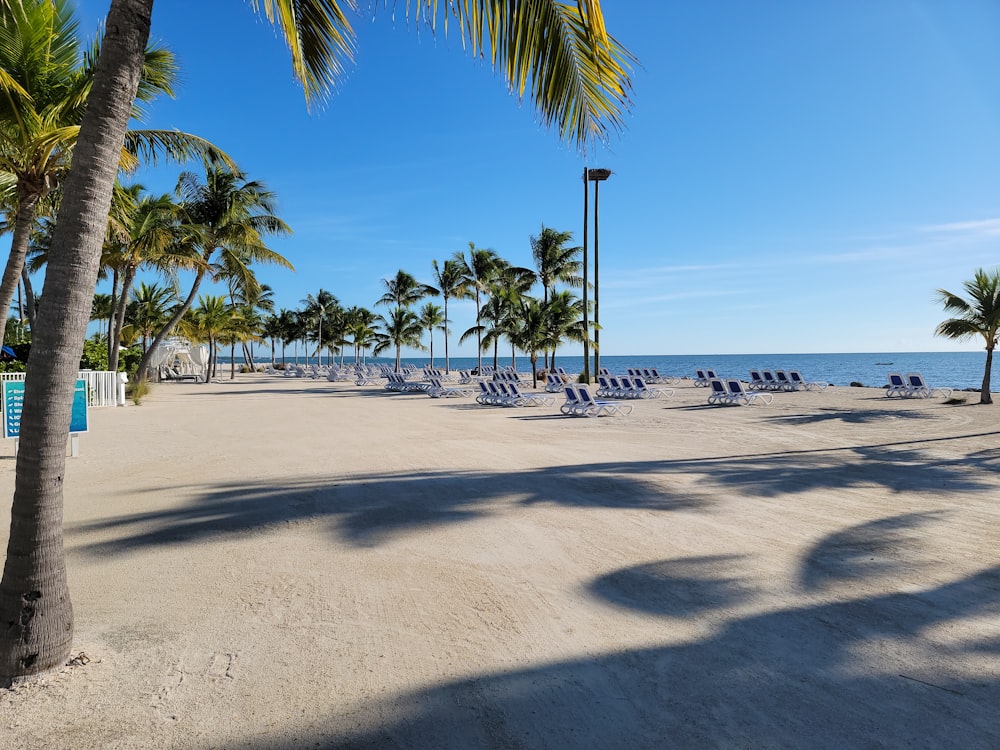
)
(104, 388)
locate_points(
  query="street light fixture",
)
(596, 176)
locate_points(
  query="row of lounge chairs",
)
(611, 386)
(504, 393)
(912, 386)
(731, 392)
(779, 380)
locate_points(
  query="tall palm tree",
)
(451, 283)
(48, 77)
(320, 309)
(226, 217)
(208, 322)
(401, 328)
(564, 316)
(578, 82)
(154, 240)
(149, 310)
(978, 314)
(431, 317)
(555, 262)
(403, 290)
(477, 271)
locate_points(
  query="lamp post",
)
(596, 176)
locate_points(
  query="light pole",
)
(596, 176)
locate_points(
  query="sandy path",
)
(288, 564)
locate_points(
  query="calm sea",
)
(945, 369)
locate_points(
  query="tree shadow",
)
(877, 549)
(681, 587)
(368, 509)
(848, 416)
(860, 673)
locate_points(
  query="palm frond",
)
(155, 145)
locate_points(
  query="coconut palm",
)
(477, 271)
(155, 240)
(320, 309)
(403, 290)
(360, 325)
(431, 317)
(533, 332)
(401, 328)
(564, 316)
(555, 262)
(209, 322)
(451, 283)
(48, 77)
(225, 218)
(149, 310)
(578, 82)
(977, 314)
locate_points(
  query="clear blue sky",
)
(794, 177)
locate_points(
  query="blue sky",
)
(794, 177)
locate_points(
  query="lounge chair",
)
(519, 398)
(737, 394)
(553, 383)
(897, 386)
(801, 384)
(918, 387)
(646, 392)
(717, 392)
(757, 383)
(438, 390)
(701, 379)
(595, 408)
(784, 382)
(770, 381)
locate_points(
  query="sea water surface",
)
(957, 370)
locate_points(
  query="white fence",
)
(104, 388)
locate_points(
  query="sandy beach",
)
(279, 564)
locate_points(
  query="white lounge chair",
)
(801, 384)
(897, 386)
(737, 394)
(918, 387)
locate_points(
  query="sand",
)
(273, 563)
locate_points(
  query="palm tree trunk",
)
(23, 224)
(447, 361)
(232, 360)
(116, 335)
(112, 314)
(984, 394)
(30, 310)
(141, 373)
(34, 597)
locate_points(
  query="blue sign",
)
(13, 402)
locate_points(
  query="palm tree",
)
(431, 317)
(564, 316)
(46, 85)
(533, 331)
(579, 83)
(977, 315)
(225, 216)
(451, 282)
(359, 323)
(149, 310)
(319, 309)
(154, 240)
(401, 328)
(476, 272)
(209, 322)
(404, 291)
(555, 262)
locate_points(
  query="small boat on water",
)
(883, 363)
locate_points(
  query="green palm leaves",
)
(557, 53)
(979, 315)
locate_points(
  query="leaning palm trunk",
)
(142, 371)
(984, 393)
(29, 298)
(114, 344)
(25, 220)
(35, 607)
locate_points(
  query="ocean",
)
(959, 370)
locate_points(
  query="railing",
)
(103, 387)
